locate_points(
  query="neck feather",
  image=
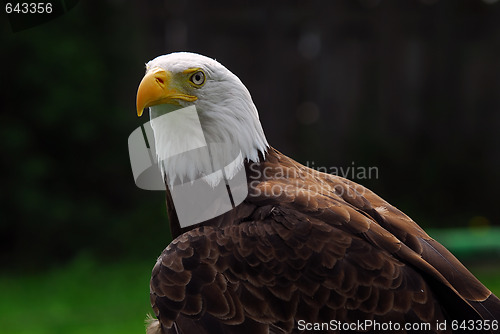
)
(195, 142)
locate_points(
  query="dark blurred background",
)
(409, 87)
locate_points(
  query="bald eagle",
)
(324, 254)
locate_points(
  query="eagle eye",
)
(197, 78)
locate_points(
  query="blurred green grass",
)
(86, 296)
(83, 297)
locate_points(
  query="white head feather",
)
(227, 115)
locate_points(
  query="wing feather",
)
(348, 285)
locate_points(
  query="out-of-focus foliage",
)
(68, 106)
(408, 87)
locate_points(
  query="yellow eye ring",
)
(198, 78)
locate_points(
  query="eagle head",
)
(224, 108)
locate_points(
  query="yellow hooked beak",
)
(158, 87)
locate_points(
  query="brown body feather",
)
(308, 246)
